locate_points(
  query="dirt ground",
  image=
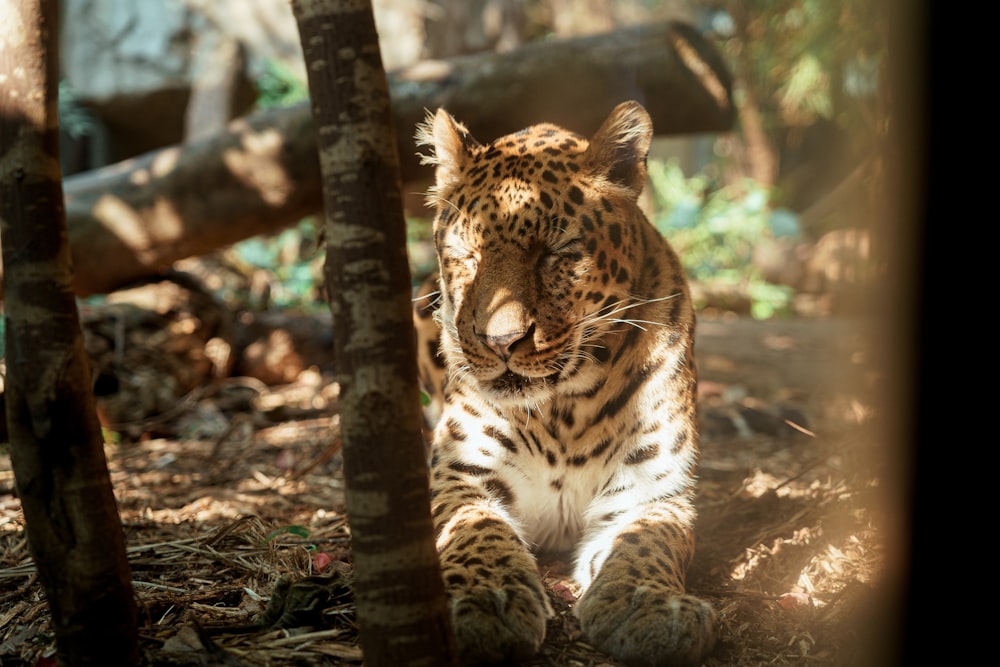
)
(240, 485)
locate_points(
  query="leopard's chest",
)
(552, 503)
(612, 439)
(556, 477)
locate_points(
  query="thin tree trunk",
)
(57, 449)
(262, 175)
(402, 609)
(761, 155)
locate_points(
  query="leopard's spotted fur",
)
(569, 407)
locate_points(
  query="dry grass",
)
(244, 489)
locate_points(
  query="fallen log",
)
(135, 218)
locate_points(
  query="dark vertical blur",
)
(903, 224)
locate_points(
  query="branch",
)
(262, 174)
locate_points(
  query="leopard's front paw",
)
(499, 624)
(646, 625)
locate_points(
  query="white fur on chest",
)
(567, 476)
(557, 501)
(553, 519)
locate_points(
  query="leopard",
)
(566, 416)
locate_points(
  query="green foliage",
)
(807, 89)
(298, 531)
(293, 258)
(74, 118)
(808, 59)
(419, 229)
(768, 300)
(715, 231)
(279, 86)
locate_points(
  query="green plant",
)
(74, 118)
(298, 531)
(279, 86)
(293, 257)
(715, 231)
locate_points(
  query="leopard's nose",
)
(503, 345)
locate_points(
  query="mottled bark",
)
(402, 610)
(57, 450)
(262, 175)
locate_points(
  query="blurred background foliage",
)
(279, 85)
(752, 212)
(715, 230)
(810, 94)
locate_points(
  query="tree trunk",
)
(761, 155)
(262, 174)
(57, 449)
(401, 605)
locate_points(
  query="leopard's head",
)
(537, 236)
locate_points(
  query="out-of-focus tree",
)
(807, 72)
(56, 444)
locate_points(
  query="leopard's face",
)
(536, 236)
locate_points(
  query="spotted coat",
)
(567, 417)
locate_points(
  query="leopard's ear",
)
(619, 148)
(452, 146)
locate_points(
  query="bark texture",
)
(401, 606)
(262, 175)
(57, 449)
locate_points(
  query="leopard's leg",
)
(635, 606)
(499, 606)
